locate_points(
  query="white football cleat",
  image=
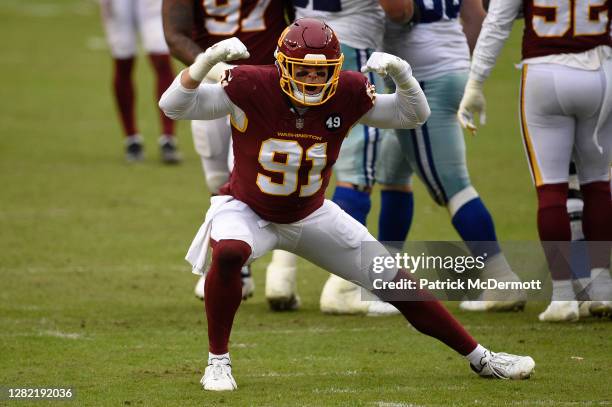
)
(505, 366)
(601, 308)
(218, 377)
(342, 297)
(281, 282)
(561, 311)
(584, 309)
(600, 291)
(492, 306)
(248, 284)
(381, 309)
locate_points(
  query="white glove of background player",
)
(226, 50)
(473, 102)
(386, 64)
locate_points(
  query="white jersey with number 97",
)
(358, 23)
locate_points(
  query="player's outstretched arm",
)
(187, 98)
(407, 108)
(494, 33)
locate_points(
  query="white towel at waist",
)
(606, 104)
(197, 255)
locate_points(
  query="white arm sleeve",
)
(208, 101)
(494, 33)
(404, 109)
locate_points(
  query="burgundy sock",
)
(223, 291)
(554, 228)
(165, 75)
(429, 316)
(124, 94)
(597, 221)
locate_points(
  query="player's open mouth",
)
(311, 90)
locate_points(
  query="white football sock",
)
(601, 274)
(562, 290)
(478, 356)
(282, 258)
(601, 284)
(581, 286)
(224, 358)
(497, 267)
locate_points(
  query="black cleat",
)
(169, 151)
(134, 150)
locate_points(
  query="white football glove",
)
(473, 102)
(386, 64)
(226, 50)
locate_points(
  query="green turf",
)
(95, 294)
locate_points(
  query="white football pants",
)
(559, 110)
(123, 20)
(328, 238)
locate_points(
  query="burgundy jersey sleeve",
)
(257, 23)
(569, 27)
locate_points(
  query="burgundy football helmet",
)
(309, 45)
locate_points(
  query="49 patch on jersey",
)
(333, 122)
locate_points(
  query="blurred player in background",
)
(359, 25)
(565, 105)
(190, 27)
(288, 123)
(123, 21)
(438, 47)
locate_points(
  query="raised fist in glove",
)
(386, 64)
(226, 50)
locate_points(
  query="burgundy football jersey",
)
(569, 27)
(257, 23)
(283, 159)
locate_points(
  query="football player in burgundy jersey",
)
(359, 25)
(190, 27)
(565, 106)
(288, 121)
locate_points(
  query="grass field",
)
(95, 294)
